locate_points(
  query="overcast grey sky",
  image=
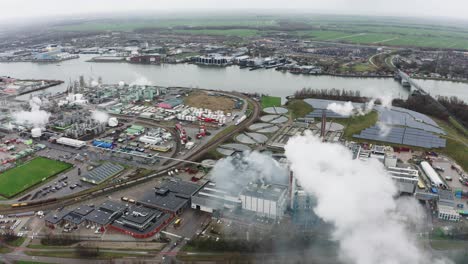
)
(458, 9)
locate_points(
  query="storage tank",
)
(36, 132)
(113, 122)
(432, 174)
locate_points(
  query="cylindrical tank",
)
(432, 174)
(36, 132)
(113, 122)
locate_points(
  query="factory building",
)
(150, 140)
(141, 222)
(137, 221)
(406, 179)
(214, 60)
(263, 200)
(135, 130)
(212, 198)
(55, 54)
(446, 206)
(266, 200)
(146, 59)
(172, 197)
(448, 213)
(71, 142)
(171, 103)
(105, 214)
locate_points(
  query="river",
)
(230, 78)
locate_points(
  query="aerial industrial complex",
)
(139, 162)
(158, 172)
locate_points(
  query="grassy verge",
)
(73, 254)
(457, 151)
(270, 101)
(457, 143)
(458, 126)
(356, 124)
(5, 250)
(218, 258)
(40, 246)
(28, 262)
(17, 242)
(225, 131)
(448, 244)
(299, 108)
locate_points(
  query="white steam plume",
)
(386, 100)
(357, 197)
(35, 117)
(345, 109)
(348, 109)
(233, 173)
(141, 81)
(384, 129)
(100, 116)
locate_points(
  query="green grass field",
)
(388, 31)
(457, 142)
(356, 124)
(269, 101)
(24, 176)
(218, 32)
(299, 108)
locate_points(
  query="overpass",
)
(414, 86)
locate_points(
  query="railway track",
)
(105, 190)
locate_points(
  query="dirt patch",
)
(212, 102)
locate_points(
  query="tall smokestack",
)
(292, 188)
(324, 124)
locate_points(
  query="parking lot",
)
(452, 178)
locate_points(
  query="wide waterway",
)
(230, 78)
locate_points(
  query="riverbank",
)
(440, 79)
(266, 81)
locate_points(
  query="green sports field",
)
(269, 101)
(24, 176)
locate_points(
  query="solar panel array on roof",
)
(395, 116)
(403, 135)
(102, 173)
(402, 117)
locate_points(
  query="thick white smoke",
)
(345, 109)
(348, 109)
(233, 173)
(357, 197)
(100, 116)
(141, 80)
(35, 117)
(386, 100)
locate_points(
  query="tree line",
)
(456, 107)
(331, 94)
